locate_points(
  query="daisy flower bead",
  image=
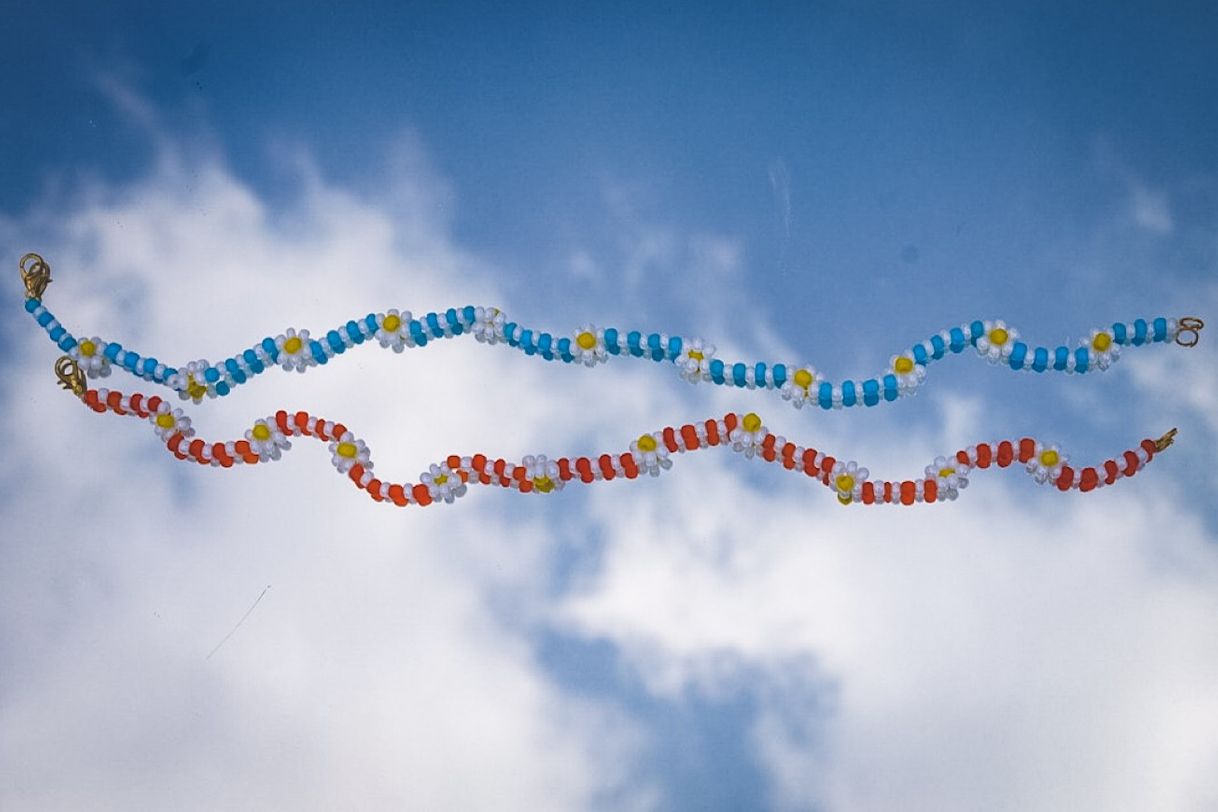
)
(588, 346)
(800, 386)
(950, 475)
(294, 350)
(996, 343)
(908, 372)
(847, 479)
(1103, 348)
(747, 436)
(442, 483)
(266, 440)
(543, 473)
(694, 360)
(650, 454)
(191, 381)
(89, 355)
(488, 324)
(346, 451)
(393, 329)
(1046, 463)
(168, 422)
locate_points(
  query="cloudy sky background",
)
(828, 185)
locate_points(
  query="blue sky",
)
(826, 183)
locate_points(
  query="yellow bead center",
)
(543, 484)
(946, 472)
(695, 355)
(441, 479)
(845, 483)
(647, 443)
(165, 420)
(751, 422)
(347, 450)
(292, 345)
(1101, 342)
(585, 340)
(261, 432)
(999, 336)
(195, 389)
(1049, 458)
(903, 365)
(803, 378)
(845, 498)
(390, 324)
(87, 348)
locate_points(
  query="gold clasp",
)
(1166, 440)
(1189, 325)
(71, 376)
(36, 274)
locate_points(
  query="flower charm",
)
(996, 343)
(747, 437)
(266, 440)
(588, 346)
(191, 382)
(848, 479)
(800, 386)
(393, 330)
(650, 454)
(950, 475)
(543, 473)
(89, 355)
(1104, 350)
(694, 360)
(908, 372)
(168, 422)
(488, 324)
(1046, 463)
(346, 451)
(294, 350)
(442, 483)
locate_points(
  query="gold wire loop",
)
(71, 376)
(1189, 326)
(1166, 440)
(36, 274)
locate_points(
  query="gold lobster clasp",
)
(1189, 326)
(1166, 440)
(36, 274)
(71, 376)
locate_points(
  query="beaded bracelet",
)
(650, 453)
(695, 360)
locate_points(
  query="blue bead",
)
(235, 371)
(1018, 354)
(470, 314)
(211, 375)
(370, 323)
(450, 315)
(268, 346)
(871, 392)
(849, 397)
(891, 392)
(67, 343)
(1059, 358)
(1081, 359)
(1160, 326)
(45, 319)
(222, 389)
(1040, 361)
(633, 339)
(919, 354)
(759, 374)
(433, 324)
(674, 347)
(825, 395)
(957, 336)
(936, 343)
(251, 361)
(738, 374)
(31, 305)
(416, 333)
(353, 331)
(543, 343)
(131, 359)
(319, 352)
(1119, 334)
(780, 375)
(977, 329)
(112, 350)
(526, 341)
(149, 366)
(611, 341)
(57, 333)
(564, 349)
(509, 332)
(1139, 332)
(716, 370)
(653, 344)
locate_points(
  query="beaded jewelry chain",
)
(651, 453)
(694, 359)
